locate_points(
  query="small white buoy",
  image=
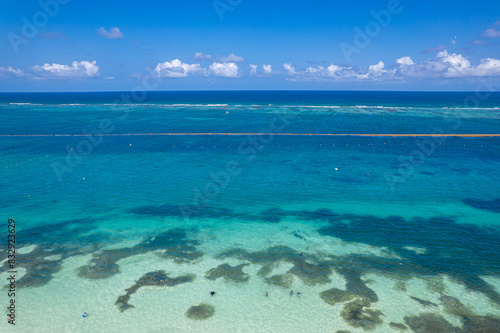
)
(336, 169)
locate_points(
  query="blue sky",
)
(69, 45)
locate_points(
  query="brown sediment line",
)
(246, 134)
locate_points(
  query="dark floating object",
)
(200, 312)
(423, 302)
(158, 278)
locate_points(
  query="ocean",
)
(133, 207)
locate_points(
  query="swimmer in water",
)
(267, 294)
(84, 314)
(291, 292)
(308, 247)
(212, 293)
(301, 253)
(298, 294)
(295, 250)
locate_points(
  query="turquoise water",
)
(136, 230)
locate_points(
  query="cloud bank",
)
(78, 69)
(176, 68)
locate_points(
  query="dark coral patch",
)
(64, 239)
(200, 312)
(488, 205)
(272, 215)
(174, 244)
(454, 307)
(472, 323)
(481, 324)
(307, 268)
(282, 280)
(358, 314)
(228, 273)
(158, 278)
(398, 326)
(463, 251)
(334, 296)
(430, 323)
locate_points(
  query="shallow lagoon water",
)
(129, 211)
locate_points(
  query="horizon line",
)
(245, 90)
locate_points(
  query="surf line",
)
(477, 135)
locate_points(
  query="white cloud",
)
(449, 65)
(113, 33)
(491, 33)
(226, 69)
(201, 56)
(461, 67)
(289, 68)
(78, 69)
(377, 69)
(268, 69)
(458, 64)
(253, 69)
(405, 61)
(176, 68)
(231, 58)
(9, 71)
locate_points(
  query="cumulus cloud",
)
(113, 33)
(176, 68)
(201, 56)
(461, 67)
(226, 69)
(405, 61)
(253, 69)
(267, 70)
(231, 58)
(11, 71)
(78, 69)
(53, 35)
(449, 65)
(289, 68)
